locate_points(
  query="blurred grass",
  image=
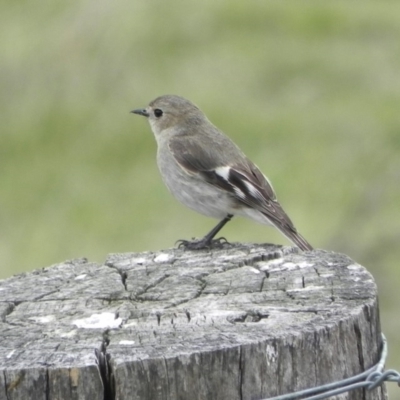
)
(310, 91)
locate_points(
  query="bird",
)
(207, 172)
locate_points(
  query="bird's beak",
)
(141, 111)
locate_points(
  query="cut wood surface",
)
(241, 322)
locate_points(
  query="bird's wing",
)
(236, 174)
(225, 166)
(192, 155)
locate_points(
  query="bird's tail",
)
(297, 239)
(280, 220)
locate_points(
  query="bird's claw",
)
(199, 244)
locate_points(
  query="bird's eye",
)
(158, 112)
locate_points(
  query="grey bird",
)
(208, 173)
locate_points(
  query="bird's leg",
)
(210, 235)
(207, 240)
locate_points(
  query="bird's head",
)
(171, 111)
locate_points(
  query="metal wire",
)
(369, 379)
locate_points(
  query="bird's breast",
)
(192, 190)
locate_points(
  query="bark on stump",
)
(242, 322)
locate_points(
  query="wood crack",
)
(9, 309)
(241, 372)
(103, 361)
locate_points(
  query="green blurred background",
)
(309, 90)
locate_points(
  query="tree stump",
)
(241, 322)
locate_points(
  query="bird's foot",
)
(199, 244)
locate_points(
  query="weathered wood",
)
(243, 322)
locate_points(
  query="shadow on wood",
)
(242, 322)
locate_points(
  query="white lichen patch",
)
(10, 354)
(137, 260)
(126, 342)
(270, 352)
(304, 264)
(163, 257)
(311, 287)
(43, 320)
(254, 270)
(104, 320)
(354, 266)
